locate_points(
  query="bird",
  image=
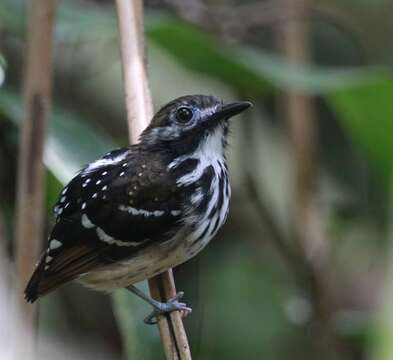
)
(142, 209)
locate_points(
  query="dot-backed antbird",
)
(145, 208)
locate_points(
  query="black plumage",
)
(141, 209)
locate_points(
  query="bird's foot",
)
(172, 304)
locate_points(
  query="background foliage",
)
(250, 298)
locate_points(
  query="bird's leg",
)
(161, 308)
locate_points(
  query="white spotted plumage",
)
(142, 209)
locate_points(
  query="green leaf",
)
(366, 112)
(198, 51)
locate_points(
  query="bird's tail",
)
(32, 289)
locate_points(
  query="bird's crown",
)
(185, 121)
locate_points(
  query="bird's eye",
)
(184, 115)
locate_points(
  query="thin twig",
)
(31, 171)
(139, 112)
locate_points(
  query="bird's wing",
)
(113, 208)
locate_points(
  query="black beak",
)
(232, 109)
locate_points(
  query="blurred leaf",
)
(71, 143)
(308, 80)
(366, 111)
(198, 51)
(251, 71)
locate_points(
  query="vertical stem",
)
(293, 43)
(299, 113)
(139, 113)
(31, 171)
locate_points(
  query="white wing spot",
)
(86, 222)
(122, 173)
(63, 198)
(94, 195)
(83, 205)
(112, 241)
(104, 188)
(105, 162)
(175, 212)
(48, 259)
(104, 173)
(143, 212)
(54, 244)
(64, 191)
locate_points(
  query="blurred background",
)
(303, 267)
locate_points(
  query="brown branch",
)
(298, 111)
(139, 112)
(31, 171)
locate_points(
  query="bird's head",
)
(190, 121)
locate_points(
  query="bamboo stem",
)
(31, 170)
(139, 113)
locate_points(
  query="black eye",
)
(184, 115)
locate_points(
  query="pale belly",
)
(146, 264)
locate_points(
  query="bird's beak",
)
(229, 110)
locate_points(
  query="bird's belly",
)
(148, 263)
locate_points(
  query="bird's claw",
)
(161, 308)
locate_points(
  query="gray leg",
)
(160, 307)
